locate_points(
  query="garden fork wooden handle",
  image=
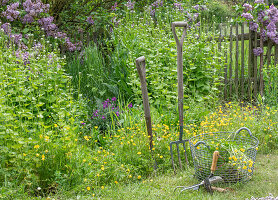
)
(141, 68)
(214, 161)
(180, 70)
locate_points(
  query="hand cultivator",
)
(180, 94)
(207, 182)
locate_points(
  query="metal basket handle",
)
(201, 142)
(244, 128)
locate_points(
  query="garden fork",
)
(180, 93)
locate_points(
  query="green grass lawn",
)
(162, 186)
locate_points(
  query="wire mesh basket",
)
(237, 154)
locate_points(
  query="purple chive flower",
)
(195, 16)
(113, 99)
(103, 117)
(259, 1)
(130, 5)
(7, 28)
(114, 7)
(247, 7)
(152, 12)
(130, 105)
(178, 6)
(247, 16)
(16, 38)
(253, 26)
(90, 20)
(82, 123)
(117, 113)
(198, 24)
(257, 51)
(197, 7)
(203, 7)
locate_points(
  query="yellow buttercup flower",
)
(139, 153)
(36, 146)
(88, 188)
(139, 177)
(43, 157)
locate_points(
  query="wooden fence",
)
(243, 70)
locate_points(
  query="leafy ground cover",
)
(161, 186)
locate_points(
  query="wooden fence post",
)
(242, 62)
(236, 64)
(261, 64)
(231, 61)
(226, 65)
(255, 67)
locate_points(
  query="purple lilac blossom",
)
(27, 19)
(247, 16)
(258, 51)
(130, 5)
(259, 1)
(11, 13)
(272, 13)
(4, 2)
(263, 34)
(247, 7)
(48, 25)
(271, 30)
(261, 16)
(90, 20)
(36, 8)
(253, 26)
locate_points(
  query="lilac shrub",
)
(33, 13)
(262, 19)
